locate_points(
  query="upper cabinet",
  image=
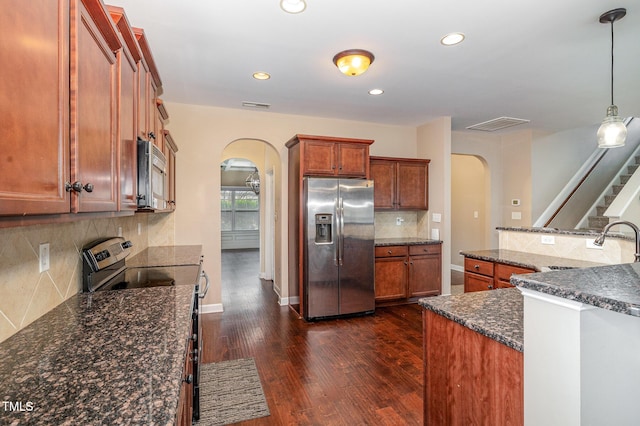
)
(128, 59)
(93, 105)
(330, 156)
(35, 161)
(74, 101)
(400, 183)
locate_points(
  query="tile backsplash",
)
(412, 224)
(27, 294)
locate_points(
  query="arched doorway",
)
(257, 158)
(470, 206)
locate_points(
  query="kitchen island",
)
(582, 338)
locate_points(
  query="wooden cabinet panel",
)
(412, 186)
(384, 190)
(391, 278)
(93, 98)
(503, 274)
(170, 152)
(353, 160)
(482, 267)
(475, 282)
(34, 105)
(425, 275)
(400, 183)
(469, 378)
(319, 158)
(391, 251)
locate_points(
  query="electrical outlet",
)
(399, 221)
(44, 257)
(119, 231)
(547, 239)
(139, 229)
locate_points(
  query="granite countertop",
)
(113, 357)
(537, 262)
(408, 241)
(580, 232)
(167, 256)
(612, 287)
(497, 314)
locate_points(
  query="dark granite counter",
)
(578, 232)
(112, 357)
(167, 256)
(537, 262)
(409, 241)
(612, 287)
(497, 314)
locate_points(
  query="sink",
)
(556, 268)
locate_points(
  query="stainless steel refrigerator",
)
(338, 247)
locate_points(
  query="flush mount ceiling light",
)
(261, 75)
(452, 39)
(376, 92)
(353, 62)
(612, 132)
(293, 6)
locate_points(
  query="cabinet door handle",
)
(78, 187)
(490, 286)
(389, 252)
(88, 187)
(476, 267)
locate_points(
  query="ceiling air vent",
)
(256, 105)
(497, 124)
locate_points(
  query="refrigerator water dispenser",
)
(323, 228)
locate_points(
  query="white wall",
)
(554, 160)
(434, 143)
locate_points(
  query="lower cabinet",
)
(407, 272)
(480, 275)
(469, 379)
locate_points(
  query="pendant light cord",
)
(611, 62)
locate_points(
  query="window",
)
(240, 209)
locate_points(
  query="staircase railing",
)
(576, 199)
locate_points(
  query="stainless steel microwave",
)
(152, 176)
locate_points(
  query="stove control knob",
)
(127, 244)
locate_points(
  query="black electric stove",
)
(104, 269)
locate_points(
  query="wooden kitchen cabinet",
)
(128, 58)
(400, 183)
(480, 275)
(149, 87)
(391, 272)
(405, 273)
(331, 156)
(170, 153)
(469, 378)
(35, 159)
(93, 106)
(425, 270)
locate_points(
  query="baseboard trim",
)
(212, 308)
(457, 268)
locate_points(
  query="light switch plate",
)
(516, 215)
(436, 217)
(44, 257)
(548, 239)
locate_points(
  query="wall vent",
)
(257, 105)
(497, 124)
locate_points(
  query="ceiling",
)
(545, 61)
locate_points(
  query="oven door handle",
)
(206, 288)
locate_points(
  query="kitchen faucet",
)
(600, 240)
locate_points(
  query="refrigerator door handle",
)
(341, 230)
(336, 252)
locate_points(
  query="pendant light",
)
(612, 133)
(253, 181)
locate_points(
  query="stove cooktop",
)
(158, 276)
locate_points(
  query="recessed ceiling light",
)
(376, 92)
(261, 75)
(293, 6)
(452, 38)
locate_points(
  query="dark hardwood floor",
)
(356, 371)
